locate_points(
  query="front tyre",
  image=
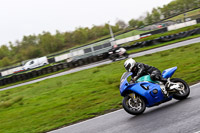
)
(184, 91)
(134, 106)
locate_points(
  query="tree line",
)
(34, 46)
(173, 8)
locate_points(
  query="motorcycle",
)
(147, 93)
(119, 54)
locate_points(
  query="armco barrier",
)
(32, 74)
(155, 32)
(149, 43)
(51, 60)
(164, 39)
(198, 20)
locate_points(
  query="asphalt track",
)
(175, 45)
(171, 117)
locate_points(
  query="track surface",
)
(175, 45)
(171, 117)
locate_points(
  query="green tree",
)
(140, 24)
(5, 62)
(155, 15)
(133, 23)
(148, 18)
(4, 51)
(121, 24)
(80, 35)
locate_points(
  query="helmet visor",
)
(128, 67)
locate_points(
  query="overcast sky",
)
(26, 17)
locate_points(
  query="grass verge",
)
(185, 15)
(67, 99)
(164, 34)
(162, 44)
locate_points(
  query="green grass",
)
(63, 100)
(188, 14)
(162, 44)
(129, 34)
(164, 34)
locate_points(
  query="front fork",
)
(132, 95)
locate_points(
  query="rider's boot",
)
(167, 84)
(164, 91)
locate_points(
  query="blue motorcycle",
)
(147, 93)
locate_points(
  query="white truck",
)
(36, 63)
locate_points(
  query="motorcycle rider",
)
(118, 51)
(115, 48)
(140, 69)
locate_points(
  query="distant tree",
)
(148, 18)
(5, 62)
(121, 24)
(4, 51)
(29, 40)
(80, 35)
(155, 15)
(165, 11)
(106, 30)
(133, 23)
(48, 43)
(140, 24)
(67, 38)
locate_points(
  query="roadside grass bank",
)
(164, 34)
(67, 99)
(162, 44)
(185, 15)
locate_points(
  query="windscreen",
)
(125, 75)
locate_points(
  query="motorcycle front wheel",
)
(134, 106)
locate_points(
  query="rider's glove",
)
(134, 79)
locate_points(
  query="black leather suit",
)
(114, 49)
(141, 69)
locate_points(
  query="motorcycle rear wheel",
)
(126, 55)
(184, 93)
(112, 57)
(134, 108)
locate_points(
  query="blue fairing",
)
(169, 72)
(144, 89)
(152, 99)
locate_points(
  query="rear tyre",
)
(112, 57)
(134, 107)
(184, 93)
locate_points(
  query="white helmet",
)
(129, 64)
